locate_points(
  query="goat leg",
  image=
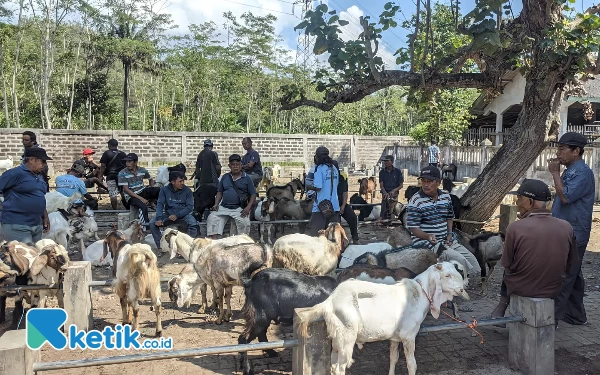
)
(17, 314)
(228, 293)
(262, 337)
(204, 303)
(220, 293)
(409, 354)
(394, 353)
(159, 328)
(2, 308)
(136, 312)
(124, 310)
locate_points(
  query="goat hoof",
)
(151, 308)
(158, 334)
(218, 322)
(271, 353)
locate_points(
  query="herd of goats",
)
(344, 284)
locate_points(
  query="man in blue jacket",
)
(175, 202)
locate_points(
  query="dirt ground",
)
(191, 330)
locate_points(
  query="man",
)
(111, 163)
(175, 202)
(326, 181)
(235, 195)
(91, 175)
(23, 214)
(208, 167)
(433, 152)
(71, 182)
(29, 140)
(345, 210)
(131, 179)
(391, 181)
(251, 162)
(574, 203)
(430, 216)
(538, 249)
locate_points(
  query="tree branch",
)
(367, 38)
(354, 92)
(414, 37)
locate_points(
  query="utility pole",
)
(305, 57)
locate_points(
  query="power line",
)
(255, 6)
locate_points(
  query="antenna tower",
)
(304, 51)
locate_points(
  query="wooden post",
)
(312, 356)
(508, 214)
(15, 357)
(77, 295)
(531, 343)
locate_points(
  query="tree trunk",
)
(126, 67)
(46, 71)
(73, 87)
(6, 115)
(15, 98)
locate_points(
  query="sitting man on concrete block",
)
(175, 206)
(538, 249)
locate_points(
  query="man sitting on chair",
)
(131, 179)
(174, 207)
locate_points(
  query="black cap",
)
(131, 156)
(430, 173)
(534, 189)
(113, 142)
(235, 157)
(78, 168)
(388, 157)
(207, 142)
(573, 139)
(322, 151)
(36, 152)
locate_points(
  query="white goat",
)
(311, 255)
(93, 253)
(7, 163)
(162, 176)
(48, 275)
(55, 201)
(190, 248)
(137, 277)
(183, 287)
(60, 230)
(354, 251)
(262, 213)
(360, 311)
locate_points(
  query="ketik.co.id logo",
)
(43, 325)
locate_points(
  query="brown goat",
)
(368, 187)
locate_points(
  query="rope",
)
(22, 308)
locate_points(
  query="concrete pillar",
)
(78, 298)
(15, 357)
(531, 343)
(312, 356)
(564, 113)
(499, 128)
(184, 148)
(508, 214)
(123, 220)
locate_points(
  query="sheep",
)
(375, 274)
(359, 312)
(311, 255)
(137, 277)
(272, 295)
(48, 275)
(415, 259)
(7, 163)
(487, 248)
(354, 251)
(190, 248)
(56, 201)
(399, 237)
(222, 267)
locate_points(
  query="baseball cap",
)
(322, 150)
(131, 156)
(88, 151)
(208, 142)
(534, 189)
(430, 173)
(235, 157)
(388, 157)
(37, 152)
(573, 139)
(113, 142)
(78, 168)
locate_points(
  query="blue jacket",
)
(24, 197)
(170, 202)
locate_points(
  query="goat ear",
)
(173, 246)
(435, 292)
(40, 262)
(344, 238)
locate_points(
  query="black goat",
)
(449, 169)
(273, 294)
(365, 211)
(204, 198)
(487, 248)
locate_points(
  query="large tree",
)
(551, 45)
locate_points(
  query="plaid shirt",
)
(433, 152)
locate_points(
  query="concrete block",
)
(531, 343)
(312, 356)
(15, 357)
(77, 295)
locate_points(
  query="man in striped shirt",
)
(433, 152)
(430, 217)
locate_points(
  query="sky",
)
(185, 12)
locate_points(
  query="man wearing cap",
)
(430, 218)
(111, 163)
(251, 162)
(71, 182)
(175, 202)
(390, 181)
(208, 167)
(235, 195)
(23, 214)
(131, 179)
(538, 249)
(574, 201)
(91, 173)
(325, 183)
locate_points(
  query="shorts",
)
(113, 189)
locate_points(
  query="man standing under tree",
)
(574, 201)
(433, 153)
(251, 162)
(111, 163)
(208, 167)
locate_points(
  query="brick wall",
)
(64, 146)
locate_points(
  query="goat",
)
(137, 277)
(400, 237)
(272, 295)
(162, 176)
(487, 248)
(278, 192)
(190, 248)
(49, 275)
(267, 180)
(367, 188)
(204, 198)
(60, 230)
(297, 186)
(365, 211)
(359, 312)
(311, 255)
(375, 274)
(448, 169)
(56, 201)
(223, 267)
(415, 259)
(95, 253)
(7, 163)
(262, 213)
(354, 251)
(183, 287)
(286, 208)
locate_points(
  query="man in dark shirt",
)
(29, 140)
(345, 210)
(235, 195)
(391, 181)
(538, 249)
(111, 164)
(91, 175)
(251, 162)
(23, 214)
(574, 202)
(208, 167)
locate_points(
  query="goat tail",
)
(310, 315)
(248, 311)
(143, 271)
